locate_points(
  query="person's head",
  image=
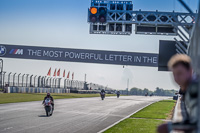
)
(181, 67)
(48, 94)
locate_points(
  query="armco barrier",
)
(36, 90)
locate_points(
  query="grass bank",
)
(159, 110)
(146, 120)
(18, 97)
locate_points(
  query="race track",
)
(83, 115)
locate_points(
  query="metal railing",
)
(191, 99)
(26, 80)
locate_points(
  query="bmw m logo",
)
(17, 51)
(2, 50)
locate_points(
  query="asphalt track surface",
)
(83, 115)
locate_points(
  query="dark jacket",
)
(102, 91)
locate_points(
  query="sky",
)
(63, 23)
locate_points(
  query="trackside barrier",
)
(187, 110)
(36, 90)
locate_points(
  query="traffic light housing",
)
(102, 14)
(100, 17)
(92, 14)
(97, 15)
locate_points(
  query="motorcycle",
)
(48, 107)
(102, 96)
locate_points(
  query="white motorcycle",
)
(48, 107)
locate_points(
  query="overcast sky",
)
(63, 23)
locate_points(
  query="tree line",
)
(157, 92)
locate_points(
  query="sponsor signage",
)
(79, 55)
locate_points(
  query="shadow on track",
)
(42, 116)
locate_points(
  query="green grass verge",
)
(146, 120)
(135, 126)
(18, 97)
(159, 110)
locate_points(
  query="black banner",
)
(78, 55)
(166, 50)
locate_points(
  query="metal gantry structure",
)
(185, 27)
(120, 18)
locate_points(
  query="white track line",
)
(124, 118)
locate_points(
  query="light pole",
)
(74, 83)
(127, 85)
(79, 85)
(42, 81)
(50, 82)
(34, 79)
(59, 81)
(65, 83)
(39, 81)
(27, 80)
(4, 73)
(9, 78)
(45, 81)
(18, 79)
(31, 80)
(14, 79)
(1, 72)
(85, 77)
(23, 80)
(53, 82)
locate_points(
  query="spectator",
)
(181, 67)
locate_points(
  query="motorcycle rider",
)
(102, 91)
(51, 98)
(118, 93)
